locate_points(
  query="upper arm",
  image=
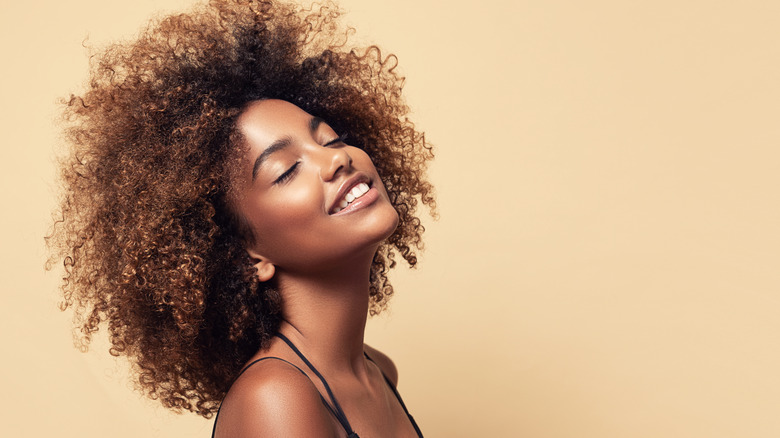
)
(272, 399)
(384, 363)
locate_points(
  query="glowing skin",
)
(294, 218)
(317, 251)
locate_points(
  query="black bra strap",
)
(336, 409)
(337, 412)
(398, 396)
(325, 402)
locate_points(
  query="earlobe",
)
(265, 269)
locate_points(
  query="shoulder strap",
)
(397, 395)
(336, 409)
(325, 402)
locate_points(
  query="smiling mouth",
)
(355, 193)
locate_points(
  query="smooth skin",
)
(320, 263)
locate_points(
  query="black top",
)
(334, 406)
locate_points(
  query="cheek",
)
(361, 161)
(284, 223)
(360, 156)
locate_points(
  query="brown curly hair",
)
(145, 232)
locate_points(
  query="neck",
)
(325, 314)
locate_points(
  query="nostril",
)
(335, 160)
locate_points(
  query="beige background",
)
(606, 263)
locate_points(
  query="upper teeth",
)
(356, 192)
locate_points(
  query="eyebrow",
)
(280, 144)
(315, 123)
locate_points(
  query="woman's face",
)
(311, 200)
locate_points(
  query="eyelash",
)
(340, 139)
(289, 173)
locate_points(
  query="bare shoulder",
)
(273, 398)
(383, 362)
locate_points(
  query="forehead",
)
(266, 121)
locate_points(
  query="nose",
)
(335, 160)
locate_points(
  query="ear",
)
(265, 269)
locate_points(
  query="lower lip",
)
(364, 201)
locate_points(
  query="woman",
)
(238, 185)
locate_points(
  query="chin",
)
(380, 230)
(391, 223)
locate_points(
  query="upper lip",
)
(346, 186)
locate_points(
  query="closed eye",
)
(289, 173)
(340, 139)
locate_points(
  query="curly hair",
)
(150, 246)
